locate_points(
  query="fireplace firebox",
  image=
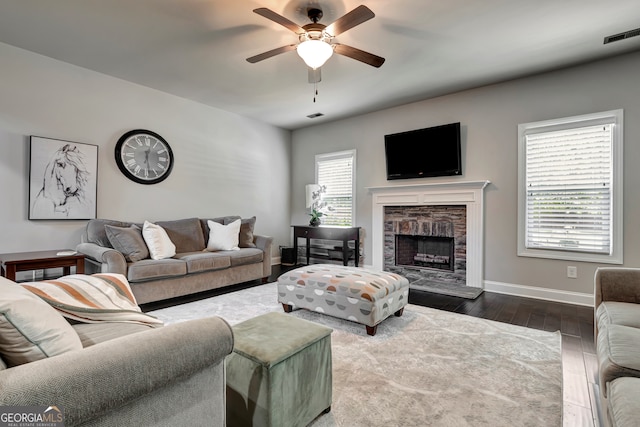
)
(425, 252)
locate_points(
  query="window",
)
(570, 188)
(337, 172)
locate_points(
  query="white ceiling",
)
(196, 49)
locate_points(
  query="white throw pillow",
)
(158, 241)
(224, 237)
(30, 329)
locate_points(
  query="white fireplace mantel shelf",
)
(467, 193)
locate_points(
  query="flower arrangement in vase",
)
(318, 206)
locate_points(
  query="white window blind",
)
(336, 172)
(569, 189)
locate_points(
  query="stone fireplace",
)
(427, 241)
(433, 230)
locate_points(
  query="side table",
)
(344, 234)
(25, 261)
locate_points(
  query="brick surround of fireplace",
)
(427, 241)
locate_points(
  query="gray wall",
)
(489, 117)
(225, 164)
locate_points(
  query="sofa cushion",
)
(223, 237)
(617, 349)
(96, 233)
(245, 256)
(618, 313)
(245, 238)
(148, 269)
(158, 241)
(186, 234)
(205, 261)
(95, 333)
(128, 241)
(30, 329)
(623, 409)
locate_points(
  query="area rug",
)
(426, 368)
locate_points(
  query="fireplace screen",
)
(425, 251)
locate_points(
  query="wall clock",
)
(144, 156)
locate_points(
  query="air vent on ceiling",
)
(314, 115)
(622, 36)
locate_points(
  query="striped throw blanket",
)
(104, 297)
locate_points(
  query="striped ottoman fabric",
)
(352, 293)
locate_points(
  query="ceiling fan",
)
(316, 41)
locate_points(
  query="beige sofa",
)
(111, 373)
(191, 270)
(617, 323)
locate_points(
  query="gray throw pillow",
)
(30, 329)
(128, 241)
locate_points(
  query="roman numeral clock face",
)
(144, 156)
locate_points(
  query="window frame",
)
(340, 155)
(614, 117)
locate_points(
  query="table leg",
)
(357, 251)
(345, 252)
(10, 272)
(308, 249)
(66, 271)
(80, 266)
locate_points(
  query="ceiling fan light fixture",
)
(314, 52)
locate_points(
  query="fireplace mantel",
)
(467, 193)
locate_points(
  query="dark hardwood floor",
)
(575, 323)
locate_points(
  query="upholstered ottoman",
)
(279, 373)
(352, 293)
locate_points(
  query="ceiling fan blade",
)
(356, 17)
(359, 55)
(279, 19)
(271, 53)
(314, 75)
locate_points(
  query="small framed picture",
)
(63, 179)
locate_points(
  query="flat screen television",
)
(422, 153)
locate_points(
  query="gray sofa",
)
(191, 270)
(131, 375)
(617, 328)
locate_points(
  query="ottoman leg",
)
(287, 308)
(371, 330)
(399, 312)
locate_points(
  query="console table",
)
(24, 261)
(344, 234)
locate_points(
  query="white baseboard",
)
(546, 294)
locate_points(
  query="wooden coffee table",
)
(25, 261)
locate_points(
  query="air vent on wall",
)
(622, 36)
(314, 115)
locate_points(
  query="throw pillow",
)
(223, 237)
(30, 329)
(245, 238)
(103, 297)
(157, 240)
(128, 241)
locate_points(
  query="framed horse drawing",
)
(62, 179)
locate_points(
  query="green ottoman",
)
(279, 373)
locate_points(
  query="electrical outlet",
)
(572, 272)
